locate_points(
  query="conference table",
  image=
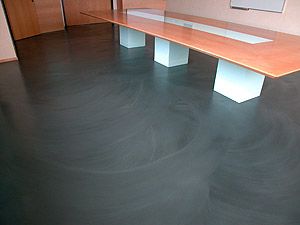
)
(246, 55)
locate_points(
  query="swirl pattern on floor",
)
(93, 133)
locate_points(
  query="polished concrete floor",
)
(92, 133)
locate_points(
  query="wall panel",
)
(50, 15)
(73, 8)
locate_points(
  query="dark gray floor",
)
(94, 134)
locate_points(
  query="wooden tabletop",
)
(275, 58)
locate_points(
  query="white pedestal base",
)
(170, 54)
(237, 83)
(130, 38)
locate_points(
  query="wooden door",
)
(22, 18)
(120, 4)
(50, 15)
(73, 7)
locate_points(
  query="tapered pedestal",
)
(170, 54)
(237, 83)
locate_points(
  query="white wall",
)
(288, 21)
(7, 51)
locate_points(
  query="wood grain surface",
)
(23, 18)
(72, 10)
(153, 4)
(274, 59)
(50, 15)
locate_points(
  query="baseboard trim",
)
(8, 60)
